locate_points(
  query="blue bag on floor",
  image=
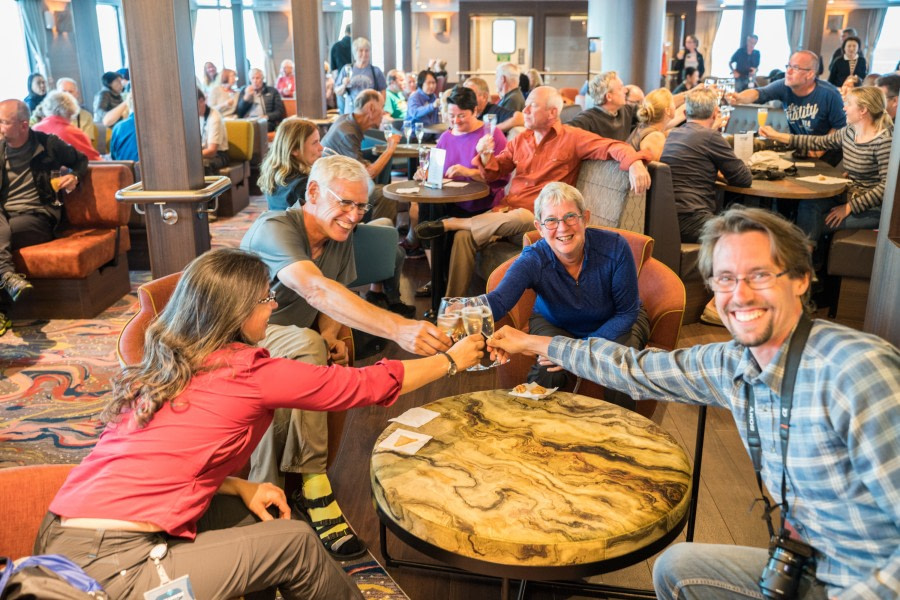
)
(47, 577)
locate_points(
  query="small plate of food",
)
(531, 390)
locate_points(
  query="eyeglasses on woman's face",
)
(570, 219)
(267, 299)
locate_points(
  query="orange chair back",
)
(152, 298)
(25, 495)
(290, 106)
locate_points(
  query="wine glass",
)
(388, 130)
(762, 113)
(487, 320)
(407, 130)
(491, 122)
(420, 131)
(449, 317)
(424, 159)
(55, 182)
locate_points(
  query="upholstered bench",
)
(851, 257)
(240, 148)
(84, 270)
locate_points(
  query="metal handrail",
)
(136, 194)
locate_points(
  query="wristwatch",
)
(451, 369)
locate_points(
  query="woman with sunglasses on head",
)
(866, 144)
(585, 280)
(188, 416)
(285, 169)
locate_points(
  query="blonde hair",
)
(653, 108)
(874, 101)
(280, 163)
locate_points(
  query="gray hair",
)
(812, 55)
(700, 104)
(478, 85)
(600, 85)
(509, 72)
(554, 98)
(256, 70)
(60, 104)
(789, 245)
(557, 193)
(360, 43)
(328, 168)
(63, 81)
(364, 97)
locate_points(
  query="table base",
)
(548, 576)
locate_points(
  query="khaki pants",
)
(233, 554)
(485, 228)
(297, 440)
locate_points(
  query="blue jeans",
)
(692, 571)
(811, 217)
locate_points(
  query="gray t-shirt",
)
(23, 195)
(279, 238)
(345, 137)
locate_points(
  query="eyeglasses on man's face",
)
(348, 205)
(267, 299)
(570, 219)
(797, 68)
(757, 280)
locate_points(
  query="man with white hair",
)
(27, 194)
(506, 119)
(309, 252)
(511, 97)
(84, 120)
(59, 108)
(547, 151)
(612, 115)
(257, 100)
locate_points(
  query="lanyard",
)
(795, 351)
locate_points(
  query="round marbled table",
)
(559, 488)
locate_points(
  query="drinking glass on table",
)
(762, 114)
(424, 159)
(491, 122)
(407, 130)
(420, 131)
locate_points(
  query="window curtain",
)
(193, 22)
(261, 19)
(874, 24)
(36, 35)
(331, 22)
(707, 26)
(794, 20)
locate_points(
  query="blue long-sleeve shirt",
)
(420, 108)
(603, 302)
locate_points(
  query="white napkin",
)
(407, 442)
(823, 179)
(456, 184)
(415, 417)
(409, 190)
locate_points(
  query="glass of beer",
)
(762, 114)
(56, 184)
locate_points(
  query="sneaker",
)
(710, 315)
(428, 230)
(5, 324)
(379, 299)
(15, 285)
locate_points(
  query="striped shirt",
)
(866, 163)
(843, 465)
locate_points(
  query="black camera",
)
(787, 560)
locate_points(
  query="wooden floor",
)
(727, 482)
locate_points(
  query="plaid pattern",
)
(844, 453)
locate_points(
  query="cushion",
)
(852, 253)
(240, 139)
(93, 203)
(73, 255)
(25, 495)
(607, 194)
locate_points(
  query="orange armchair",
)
(153, 297)
(25, 495)
(660, 289)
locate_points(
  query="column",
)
(306, 23)
(362, 26)
(389, 8)
(240, 47)
(406, 25)
(748, 20)
(161, 49)
(632, 43)
(813, 25)
(87, 42)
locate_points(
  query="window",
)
(111, 46)
(16, 67)
(887, 52)
(256, 56)
(376, 18)
(213, 40)
(774, 50)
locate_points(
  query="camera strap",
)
(795, 351)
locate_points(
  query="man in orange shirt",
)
(547, 151)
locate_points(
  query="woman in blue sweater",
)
(585, 280)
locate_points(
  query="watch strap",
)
(452, 368)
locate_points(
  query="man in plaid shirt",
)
(842, 467)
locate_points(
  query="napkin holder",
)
(435, 176)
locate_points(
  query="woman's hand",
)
(460, 171)
(467, 351)
(836, 215)
(769, 132)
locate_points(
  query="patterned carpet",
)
(55, 379)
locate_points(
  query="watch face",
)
(452, 370)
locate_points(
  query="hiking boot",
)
(15, 285)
